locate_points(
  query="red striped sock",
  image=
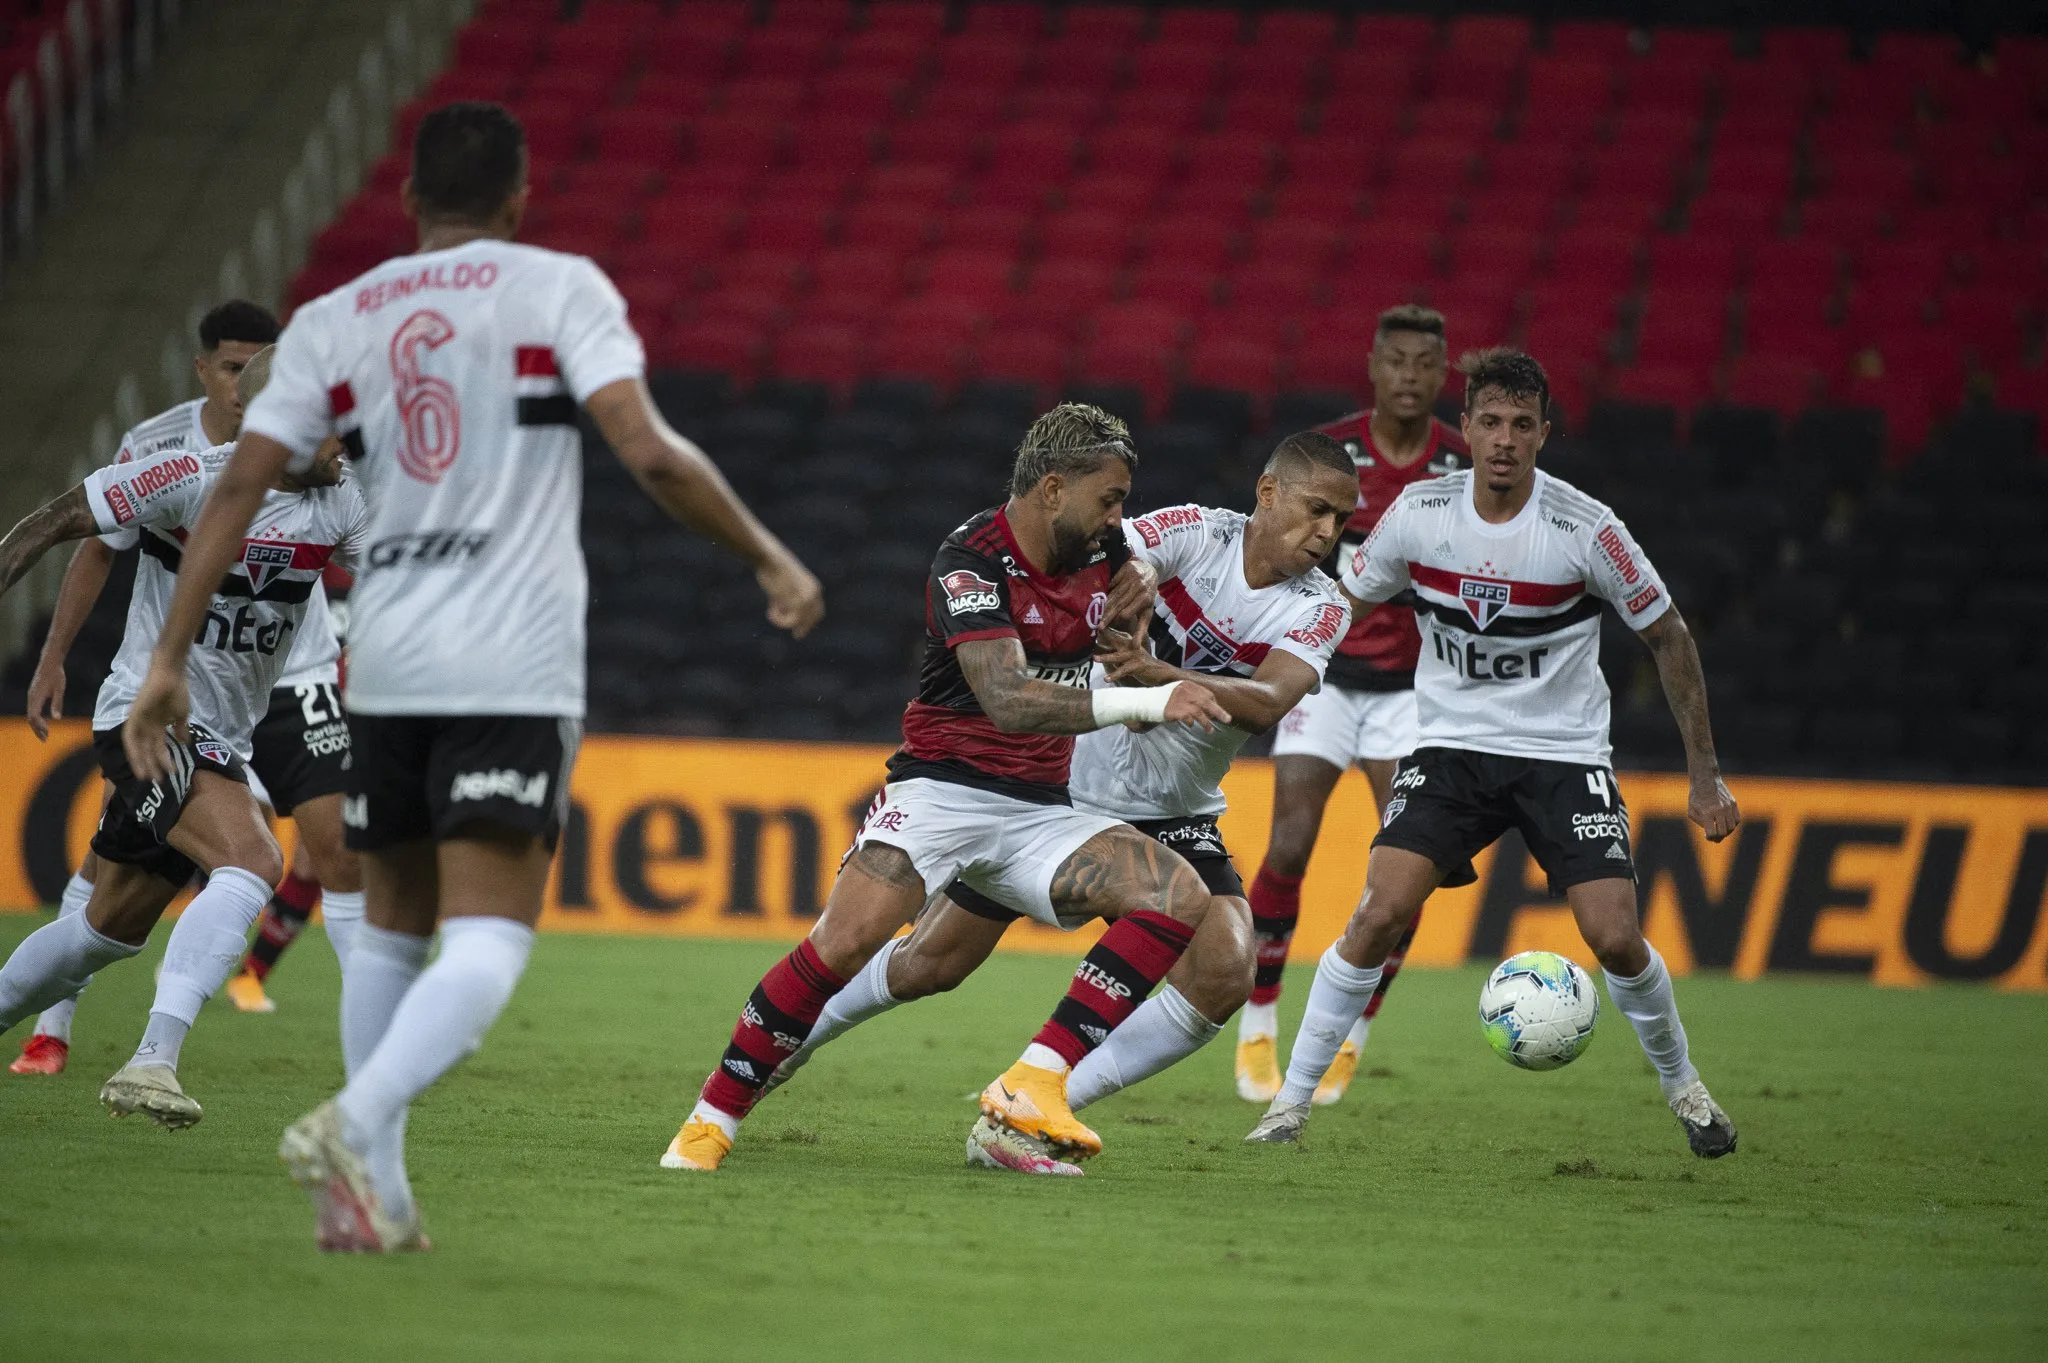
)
(777, 1018)
(1391, 968)
(1112, 980)
(1276, 908)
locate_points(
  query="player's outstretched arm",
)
(1255, 703)
(162, 701)
(1020, 703)
(65, 517)
(1685, 690)
(83, 582)
(682, 478)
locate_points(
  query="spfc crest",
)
(1483, 600)
(265, 561)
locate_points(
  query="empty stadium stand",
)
(1790, 286)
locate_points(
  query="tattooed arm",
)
(67, 517)
(1685, 690)
(1018, 702)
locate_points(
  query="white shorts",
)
(1342, 726)
(1008, 849)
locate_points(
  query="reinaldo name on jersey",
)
(1510, 613)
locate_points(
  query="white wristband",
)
(1124, 704)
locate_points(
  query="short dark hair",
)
(1071, 440)
(1410, 317)
(1314, 448)
(467, 159)
(237, 320)
(1513, 372)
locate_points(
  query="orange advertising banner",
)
(1896, 883)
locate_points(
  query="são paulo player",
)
(193, 811)
(1511, 568)
(1365, 713)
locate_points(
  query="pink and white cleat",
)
(998, 1147)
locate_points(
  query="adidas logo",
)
(1615, 852)
(1442, 550)
(1207, 584)
(744, 1069)
(1031, 615)
(1096, 1035)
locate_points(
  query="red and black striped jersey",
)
(1378, 652)
(982, 587)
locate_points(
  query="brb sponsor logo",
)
(501, 784)
(429, 548)
(1599, 827)
(1322, 631)
(968, 592)
(1063, 674)
(1483, 600)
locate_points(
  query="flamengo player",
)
(195, 809)
(979, 789)
(453, 376)
(1510, 566)
(1365, 713)
(1242, 607)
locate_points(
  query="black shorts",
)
(135, 827)
(1448, 804)
(301, 745)
(427, 776)
(1197, 839)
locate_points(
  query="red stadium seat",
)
(1919, 268)
(1784, 266)
(1212, 28)
(1042, 152)
(896, 54)
(1163, 111)
(1129, 361)
(1805, 47)
(1306, 244)
(1786, 383)
(771, 96)
(947, 144)
(1110, 192)
(1479, 36)
(1841, 219)
(1273, 73)
(1006, 19)
(1599, 39)
(1428, 164)
(831, 17)
(1086, 235)
(1199, 241)
(1470, 121)
(1070, 63)
(993, 62)
(1683, 327)
(637, 141)
(1872, 173)
(1989, 323)
(1229, 361)
(1363, 120)
(971, 274)
(1274, 286)
(836, 150)
(797, 228)
(603, 49)
(1317, 201)
(1110, 25)
(1506, 249)
(909, 186)
(887, 224)
(1744, 219)
(1038, 357)
(1075, 109)
(1333, 161)
(1477, 311)
(727, 346)
(1402, 249)
(986, 228)
(1594, 256)
(1682, 386)
(738, 139)
(503, 46)
(824, 353)
(1693, 260)
(1186, 289)
(1166, 65)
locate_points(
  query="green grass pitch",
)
(1889, 1201)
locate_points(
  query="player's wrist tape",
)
(1126, 704)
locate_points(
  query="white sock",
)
(1258, 1019)
(1360, 1030)
(1335, 1001)
(381, 966)
(205, 949)
(1044, 1057)
(866, 995)
(1648, 1004)
(441, 1020)
(162, 1040)
(53, 963)
(341, 913)
(1165, 1028)
(56, 1019)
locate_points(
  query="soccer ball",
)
(1538, 1009)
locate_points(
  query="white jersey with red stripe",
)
(1208, 619)
(259, 607)
(453, 378)
(316, 651)
(1510, 613)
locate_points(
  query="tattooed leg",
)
(877, 893)
(1120, 871)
